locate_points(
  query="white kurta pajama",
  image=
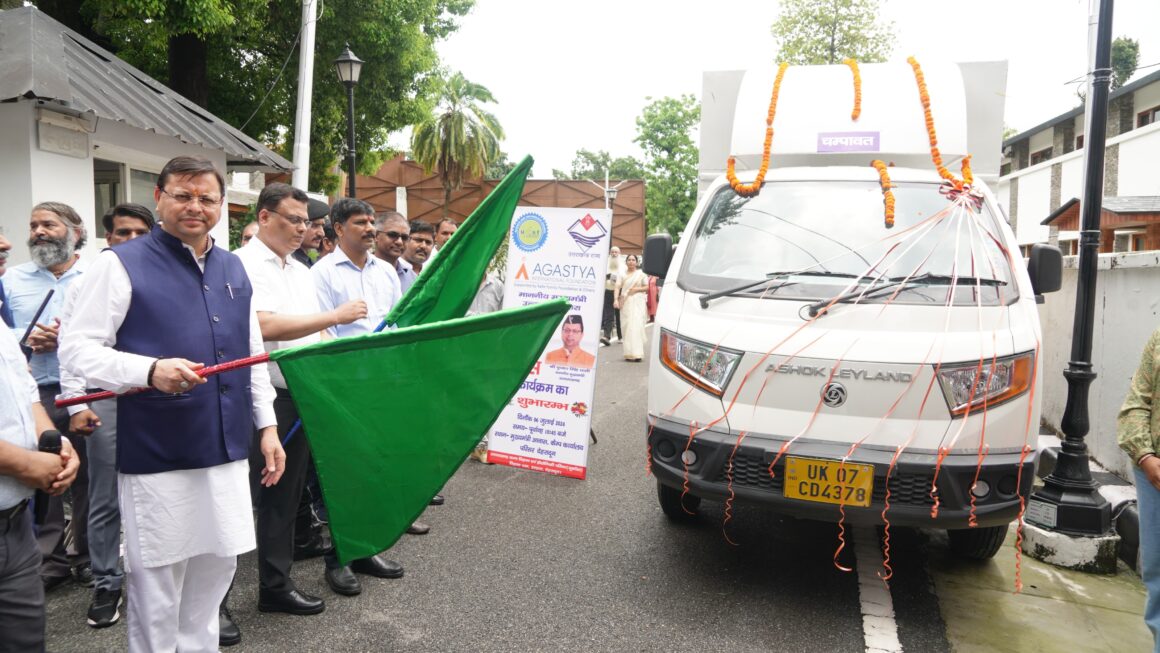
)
(183, 529)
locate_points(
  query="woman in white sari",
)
(630, 299)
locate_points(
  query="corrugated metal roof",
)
(44, 60)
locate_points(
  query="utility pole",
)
(301, 176)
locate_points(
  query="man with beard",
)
(56, 233)
(391, 235)
(315, 229)
(98, 424)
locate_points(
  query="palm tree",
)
(461, 139)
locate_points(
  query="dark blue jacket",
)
(179, 312)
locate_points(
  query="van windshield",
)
(817, 238)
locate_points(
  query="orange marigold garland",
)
(887, 194)
(857, 88)
(749, 190)
(934, 153)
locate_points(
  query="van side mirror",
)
(658, 253)
(1045, 267)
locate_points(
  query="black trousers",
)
(21, 590)
(62, 548)
(277, 506)
(610, 314)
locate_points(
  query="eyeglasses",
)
(394, 235)
(294, 220)
(186, 198)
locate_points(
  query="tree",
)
(664, 131)
(251, 60)
(461, 138)
(499, 168)
(1125, 58)
(828, 31)
(593, 165)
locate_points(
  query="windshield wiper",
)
(770, 276)
(894, 282)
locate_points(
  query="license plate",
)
(828, 481)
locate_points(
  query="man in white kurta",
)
(184, 527)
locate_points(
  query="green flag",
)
(390, 416)
(447, 285)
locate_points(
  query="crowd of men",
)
(200, 469)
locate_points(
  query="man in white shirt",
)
(155, 310)
(288, 313)
(351, 272)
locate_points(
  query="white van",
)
(804, 349)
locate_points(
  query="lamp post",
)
(1069, 501)
(349, 66)
(609, 196)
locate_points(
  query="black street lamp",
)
(349, 66)
(1069, 501)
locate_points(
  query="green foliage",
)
(664, 131)
(828, 31)
(236, 224)
(1125, 58)
(247, 43)
(1009, 131)
(500, 167)
(592, 165)
(460, 138)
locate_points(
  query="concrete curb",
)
(1118, 492)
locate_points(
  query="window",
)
(1005, 169)
(1148, 116)
(1079, 142)
(1041, 155)
(108, 188)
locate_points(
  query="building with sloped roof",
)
(80, 126)
(1042, 171)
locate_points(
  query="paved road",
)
(519, 561)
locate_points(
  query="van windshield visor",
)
(828, 239)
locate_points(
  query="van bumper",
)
(910, 483)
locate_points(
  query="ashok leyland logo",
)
(587, 231)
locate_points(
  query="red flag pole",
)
(228, 366)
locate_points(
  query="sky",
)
(573, 74)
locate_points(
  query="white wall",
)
(1041, 140)
(1139, 159)
(1034, 204)
(29, 175)
(1145, 98)
(1127, 312)
(15, 184)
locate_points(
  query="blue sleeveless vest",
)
(177, 311)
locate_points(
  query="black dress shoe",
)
(437, 500)
(418, 528)
(228, 632)
(84, 574)
(343, 581)
(377, 567)
(53, 582)
(290, 601)
(316, 546)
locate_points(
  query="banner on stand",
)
(555, 252)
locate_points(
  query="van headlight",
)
(967, 386)
(708, 367)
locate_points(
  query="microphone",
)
(49, 443)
